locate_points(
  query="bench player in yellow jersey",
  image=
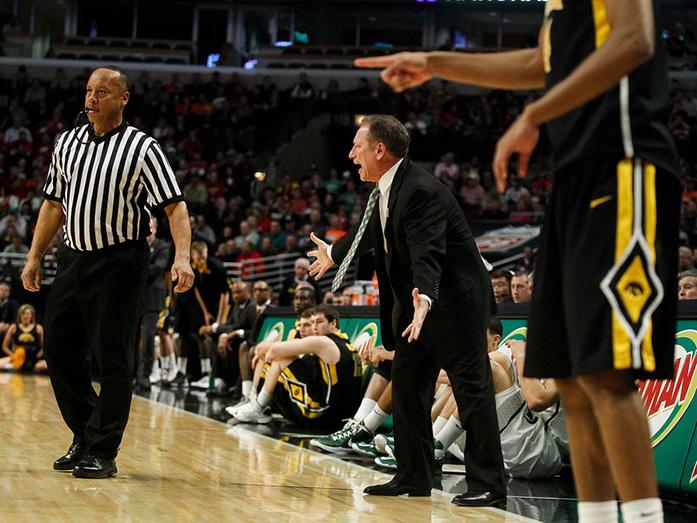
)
(315, 381)
(603, 307)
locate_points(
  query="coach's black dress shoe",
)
(396, 489)
(67, 462)
(95, 467)
(480, 499)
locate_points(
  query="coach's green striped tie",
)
(341, 273)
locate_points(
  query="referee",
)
(105, 177)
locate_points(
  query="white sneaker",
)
(171, 373)
(219, 385)
(381, 441)
(252, 412)
(155, 375)
(231, 409)
(201, 384)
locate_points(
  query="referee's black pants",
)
(92, 317)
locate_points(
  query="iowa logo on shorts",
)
(634, 289)
(298, 392)
(632, 286)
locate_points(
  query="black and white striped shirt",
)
(107, 185)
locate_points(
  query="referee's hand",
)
(31, 275)
(183, 275)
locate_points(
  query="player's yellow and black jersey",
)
(626, 121)
(316, 393)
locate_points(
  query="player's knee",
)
(573, 395)
(502, 379)
(607, 385)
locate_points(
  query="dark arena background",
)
(255, 104)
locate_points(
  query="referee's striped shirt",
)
(107, 185)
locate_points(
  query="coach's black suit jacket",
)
(430, 247)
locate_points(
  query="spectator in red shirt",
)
(251, 260)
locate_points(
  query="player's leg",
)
(592, 476)
(246, 372)
(343, 439)
(256, 410)
(624, 431)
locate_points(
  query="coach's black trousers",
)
(92, 318)
(460, 349)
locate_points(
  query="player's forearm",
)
(47, 225)
(290, 348)
(222, 306)
(630, 44)
(178, 217)
(206, 315)
(521, 69)
(537, 397)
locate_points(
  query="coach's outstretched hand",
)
(401, 71)
(420, 311)
(322, 262)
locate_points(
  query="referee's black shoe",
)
(67, 462)
(95, 467)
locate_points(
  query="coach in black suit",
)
(435, 302)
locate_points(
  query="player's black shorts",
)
(384, 369)
(302, 392)
(605, 286)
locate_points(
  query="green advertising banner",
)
(670, 409)
(670, 404)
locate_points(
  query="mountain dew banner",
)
(670, 405)
(358, 329)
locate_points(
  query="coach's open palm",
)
(420, 312)
(322, 262)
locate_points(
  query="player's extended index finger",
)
(374, 61)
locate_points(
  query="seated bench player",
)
(531, 448)
(314, 381)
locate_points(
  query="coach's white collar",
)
(385, 181)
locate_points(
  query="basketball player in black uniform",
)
(603, 306)
(319, 376)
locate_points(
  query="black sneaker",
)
(178, 381)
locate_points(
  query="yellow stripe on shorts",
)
(621, 345)
(647, 356)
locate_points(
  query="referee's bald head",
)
(119, 75)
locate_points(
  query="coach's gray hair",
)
(388, 130)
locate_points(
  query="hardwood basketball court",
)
(178, 466)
